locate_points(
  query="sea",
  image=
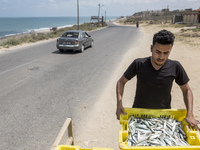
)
(10, 26)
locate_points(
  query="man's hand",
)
(120, 110)
(192, 122)
(119, 92)
(188, 99)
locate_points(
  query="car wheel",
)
(61, 50)
(82, 48)
(91, 44)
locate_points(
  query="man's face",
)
(160, 54)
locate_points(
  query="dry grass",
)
(185, 33)
(31, 38)
(189, 36)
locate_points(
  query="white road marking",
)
(17, 67)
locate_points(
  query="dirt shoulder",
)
(102, 131)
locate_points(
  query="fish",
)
(155, 132)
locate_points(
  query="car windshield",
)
(71, 34)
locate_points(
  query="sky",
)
(55, 8)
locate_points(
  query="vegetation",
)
(189, 33)
(34, 37)
(130, 20)
(193, 30)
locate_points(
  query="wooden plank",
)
(66, 125)
(70, 132)
(198, 126)
(70, 140)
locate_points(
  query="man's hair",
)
(163, 37)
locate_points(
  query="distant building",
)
(177, 19)
(180, 16)
(190, 16)
(189, 9)
(165, 10)
(146, 14)
(142, 14)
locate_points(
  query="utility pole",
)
(105, 16)
(77, 14)
(167, 12)
(99, 12)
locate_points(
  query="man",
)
(137, 24)
(155, 76)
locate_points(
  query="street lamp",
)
(99, 11)
(77, 14)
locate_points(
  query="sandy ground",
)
(101, 128)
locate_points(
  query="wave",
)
(34, 24)
(44, 29)
(14, 33)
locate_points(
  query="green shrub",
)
(41, 36)
(10, 42)
(24, 39)
(179, 25)
(183, 30)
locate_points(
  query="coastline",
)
(42, 34)
(40, 30)
(32, 32)
(13, 26)
(3, 39)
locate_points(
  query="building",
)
(190, 16)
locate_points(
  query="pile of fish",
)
(155, 132)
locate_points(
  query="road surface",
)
(41, 87)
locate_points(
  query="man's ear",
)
(151, 48)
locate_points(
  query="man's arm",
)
(119, 92)
(188, 99)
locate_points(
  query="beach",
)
(36, 36)
(11, 26)
(102, 131)
(17, 36)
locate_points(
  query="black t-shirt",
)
(154, 86)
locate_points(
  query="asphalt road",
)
(41, 87)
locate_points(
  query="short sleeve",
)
(181, 76)
(131, 70)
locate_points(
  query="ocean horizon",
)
(10, 26)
